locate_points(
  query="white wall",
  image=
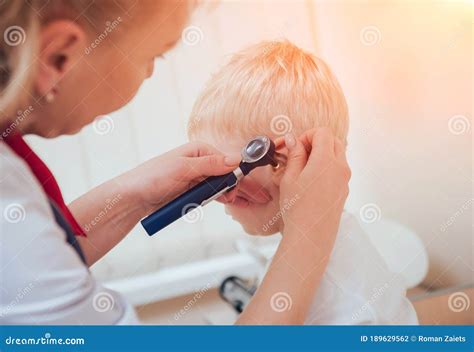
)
(405, 81)
(401, 91)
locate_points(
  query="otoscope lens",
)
(255, 149)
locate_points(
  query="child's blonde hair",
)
(270, 88)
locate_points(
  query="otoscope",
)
(260, 151)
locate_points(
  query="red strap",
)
(45, 177)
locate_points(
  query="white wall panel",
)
(404, 82)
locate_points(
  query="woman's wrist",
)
(136, 192)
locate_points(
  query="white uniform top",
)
(357, 287)
(43, 280)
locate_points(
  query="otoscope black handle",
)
(188, 201)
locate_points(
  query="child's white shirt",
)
(357, 287)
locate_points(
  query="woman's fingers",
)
(197, 149)
(322, 187)
(316, 138)
(322, 147)
(210, 165)
(202, 160)
(311, 148)
(201, 149)
(307, 140)
(297, 158)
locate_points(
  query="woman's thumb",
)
(297, 157)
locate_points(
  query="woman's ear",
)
(62, 45)
(278, 171)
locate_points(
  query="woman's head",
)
(70, 61)
(270, 88)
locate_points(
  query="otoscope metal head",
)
(260, 151)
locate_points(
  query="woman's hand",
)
(316, 179)
(313, 190)
(163, 178)
(140, 191)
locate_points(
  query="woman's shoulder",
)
(16, 177)
(20, 191)
(24, 207)
(46, 281)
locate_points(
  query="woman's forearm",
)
(107, 214)
(111, 210)
(288, 288)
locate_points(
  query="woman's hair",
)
(20, 21)
(270, 88)
(17, 20)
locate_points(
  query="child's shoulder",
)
(357, 284)
(353, 240)
(355, 253)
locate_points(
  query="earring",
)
(49, 97)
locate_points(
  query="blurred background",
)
(406, 69)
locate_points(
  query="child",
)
(272, 88)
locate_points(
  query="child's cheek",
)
(258, 220)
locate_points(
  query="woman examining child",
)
(296, 91)
(64, 89)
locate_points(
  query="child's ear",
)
(281, 149)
